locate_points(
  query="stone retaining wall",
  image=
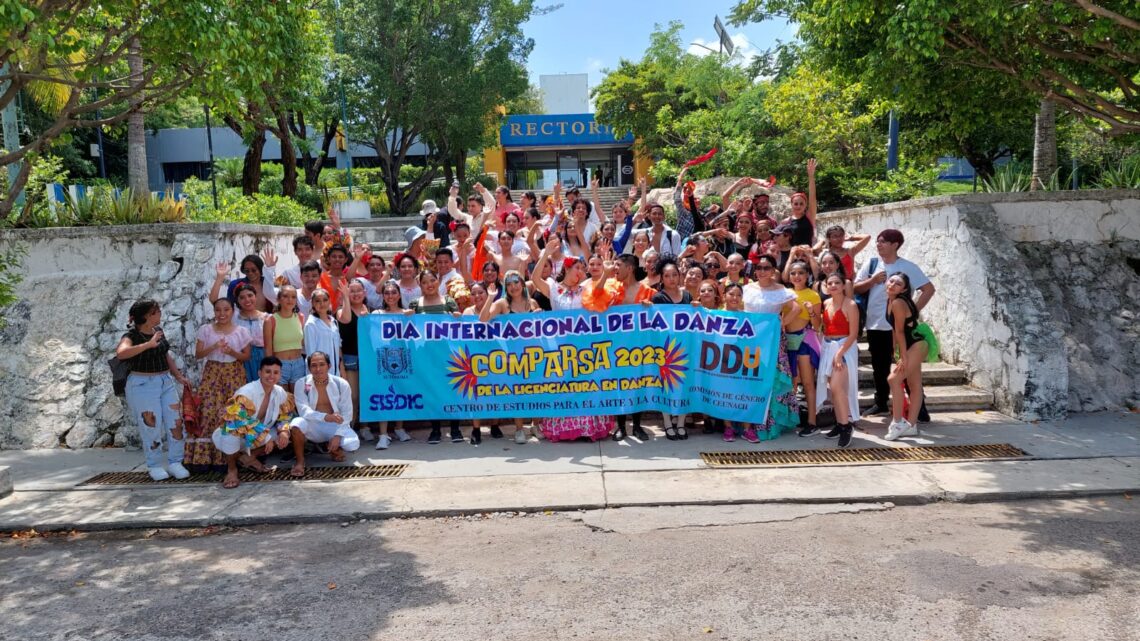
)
(1017, 278)
(72, 310)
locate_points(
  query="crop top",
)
(835, 326)
(288, 333)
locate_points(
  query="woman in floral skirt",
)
(225, 347)
(768, 296)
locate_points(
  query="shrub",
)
(908, 182)
(258, 209)
(1126, 175)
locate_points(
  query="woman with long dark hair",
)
(151, 395)
(838, 374)
(390, 303)
(225, 347)
(768, 296)
(915, 343)
(514, 301)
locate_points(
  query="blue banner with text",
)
(671, 358)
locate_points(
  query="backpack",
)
(861, 299)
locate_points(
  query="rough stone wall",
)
(1093, 292)
(72, 310)
(1005, 315)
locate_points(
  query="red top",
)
(835, 326)
(848, 265)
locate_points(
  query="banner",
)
(633, 358)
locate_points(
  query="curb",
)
(898, 500)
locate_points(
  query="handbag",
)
(191, 408)
(119, 372)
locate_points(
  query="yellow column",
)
(641, 164)
(495, 163)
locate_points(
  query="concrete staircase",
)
(945, 386)
(609, 196)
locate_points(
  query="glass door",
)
(569, 170)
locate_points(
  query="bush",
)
(1126, 175)
(258, 209)
(11, 274)
(902, 184)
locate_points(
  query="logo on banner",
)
(396, 362)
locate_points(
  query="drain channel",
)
(862, 455)
(334, 473)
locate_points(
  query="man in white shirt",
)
(664, 239)
(303, 248)
(256, 421)
(310, 278)
(324, 402)
(871, 281)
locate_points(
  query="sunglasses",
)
(765, 268)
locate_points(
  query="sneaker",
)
(158, 473)
(177, 471)
(729, 435)
(835, 431)
(456, 435)
(402, 436)
(520, 436)
(807, 430)
(496, 432)
(892, 430)
(875, 410)
(365, 434)
(906, 428)
(750, 435)
(384, 442)
(435, 437)
(476, 436)
(845, 435)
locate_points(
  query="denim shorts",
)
(292, 371)
(351, 363)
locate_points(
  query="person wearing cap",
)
(440, 222)
(871, 281)
(783, 247)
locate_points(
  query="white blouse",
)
(323, 337)
(766, 301)
(563, 297)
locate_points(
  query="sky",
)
(591, 36)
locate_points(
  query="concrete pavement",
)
(1083, 456)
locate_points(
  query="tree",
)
(672, 101)
(431, 73)
(1081, 55)
(79, 48)
(136, 124)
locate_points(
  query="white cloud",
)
(743, 54)
(593, 64)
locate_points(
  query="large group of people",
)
(280, 359)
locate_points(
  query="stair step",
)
(932, 374)
(942, 398)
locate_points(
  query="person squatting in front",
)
(324, 405)
(256, 422)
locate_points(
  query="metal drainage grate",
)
(335, 473)
(861, 455)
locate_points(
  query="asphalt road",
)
(1024, 571)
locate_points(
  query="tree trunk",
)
(461, 168)
(1044, 146)
(251, 170)
(448, 173)
(288, 154)
(136, 125)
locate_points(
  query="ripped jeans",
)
(153, 403)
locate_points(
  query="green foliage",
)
(38, 211)
(907, 182)
(1126, 175)
(11, 263)
(227, 171)
(437, 72)
(258, 209)
(918, 52)
(1012, 176)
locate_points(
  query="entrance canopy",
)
(571, 148)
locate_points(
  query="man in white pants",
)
(324, 403)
